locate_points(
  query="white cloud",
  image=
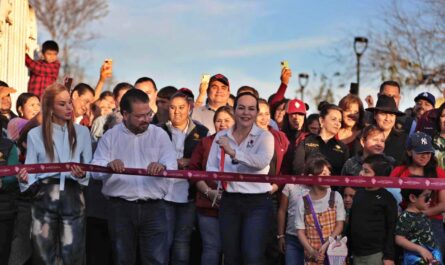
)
(273, 47)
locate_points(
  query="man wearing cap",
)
(218, 94)
(424, 102)
(385, 114)
(293, 122)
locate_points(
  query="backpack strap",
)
(307, 210)
(332, 199)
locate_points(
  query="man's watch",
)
(280, 236)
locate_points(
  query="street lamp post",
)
(303, 79)
(360, 45)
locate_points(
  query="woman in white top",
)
(246, 207)
(58, 223)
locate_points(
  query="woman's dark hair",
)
(379, 164)
(180, 95)
(430, 169)
(167, 92)
(226, 109)
(324, 107)
(105, 94)
(235, 104)
(21, 101)
(439, 113)
(315, 165)
(346, 102)
(82, 88)
(311, 118)
(249, 89)
(273, 109)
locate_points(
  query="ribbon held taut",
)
(353, 181)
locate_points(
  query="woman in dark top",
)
(325, 143)
(353, 121)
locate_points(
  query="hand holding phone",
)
(106, 69)
(205, 78)
(284, 65)
(68, 82)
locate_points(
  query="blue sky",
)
(174, 42)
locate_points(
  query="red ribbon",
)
(385, 182)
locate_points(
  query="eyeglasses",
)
(427, 197)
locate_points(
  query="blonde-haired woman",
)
(58, 223)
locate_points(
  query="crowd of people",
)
(83, 217)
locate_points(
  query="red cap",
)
(295, 106)
(187, 92)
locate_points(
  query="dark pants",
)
(21, 246)
(244, 226)
(273, 255)
(98, 243)
(211, 242)
(6, 232)
(142, 224)
(58, 225)
(181, 219)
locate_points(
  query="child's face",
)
(374, 143)
(421, 159)
(422, 202)
(50, 56)
(348, 196)
(367, 171)
(325, 172)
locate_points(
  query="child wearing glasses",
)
(414, 232)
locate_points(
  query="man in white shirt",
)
(136, 210)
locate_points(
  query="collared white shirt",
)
(253, 155)
(36, 153)
(135, 151)
(204, 115)
(178, 191)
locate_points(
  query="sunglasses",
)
(427, 197)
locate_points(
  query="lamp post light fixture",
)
(360, 45)
(303, 80)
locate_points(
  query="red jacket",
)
(198, 161)
(281, 144)
(403, 172)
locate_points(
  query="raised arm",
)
(286, 74)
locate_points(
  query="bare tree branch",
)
(66, 22)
